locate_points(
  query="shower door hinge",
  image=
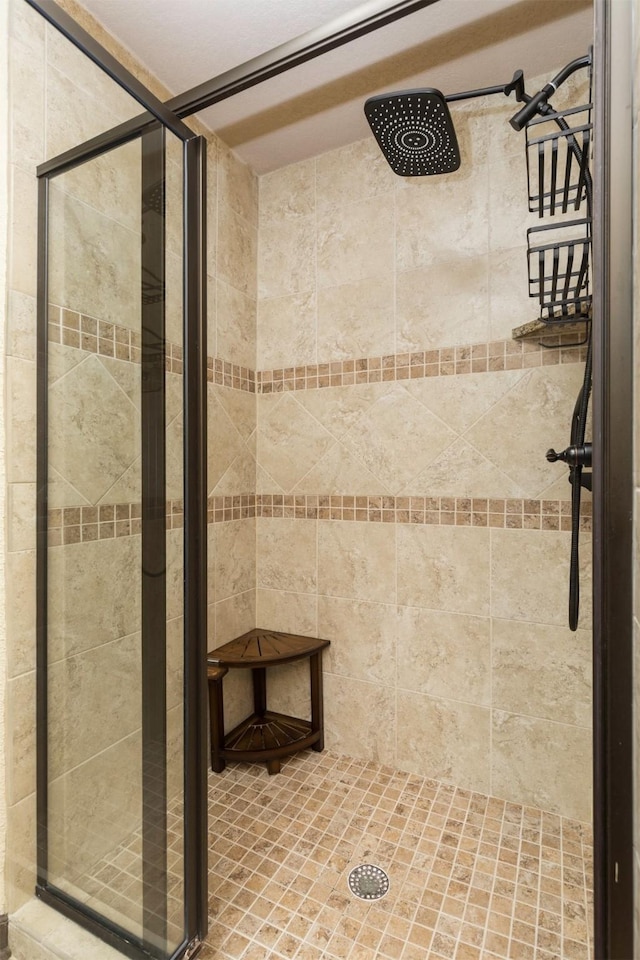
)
(192, 950)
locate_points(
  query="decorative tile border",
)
(105, 522)
(112, 340)
(227, 374)
(93, 336)
(80, 524)
(447, 361)
(240, 507)
(513, 514)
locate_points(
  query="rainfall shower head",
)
(415, 132)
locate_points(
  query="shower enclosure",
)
(122, 512)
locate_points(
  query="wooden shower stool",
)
(264, 735)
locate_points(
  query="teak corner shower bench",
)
(265, 735)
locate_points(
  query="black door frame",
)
(612, 394)
(613, 484)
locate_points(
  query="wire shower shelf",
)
(558, 154)
(559, 270)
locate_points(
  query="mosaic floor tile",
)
(471, 877)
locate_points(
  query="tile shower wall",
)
(47, 75)
(450, 657)
(231, 422)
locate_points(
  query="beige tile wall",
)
(355, 262)
(430, 668)
(27, 145)
(450, 654)
(232, 416)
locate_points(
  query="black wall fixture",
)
(558, 150)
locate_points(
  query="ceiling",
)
(453, 45)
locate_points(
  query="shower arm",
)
(516, 85)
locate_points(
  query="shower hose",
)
(578, 427)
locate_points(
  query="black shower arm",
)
(515, 85)
(538, 103)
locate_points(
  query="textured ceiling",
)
(453, 45)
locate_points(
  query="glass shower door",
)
(111, 809)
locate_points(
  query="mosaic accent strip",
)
(112, 340)
(105, 522)
(93, 336)
(79, 524)
(240, 507)
(447, 361)
(227, 374)
(514, 514)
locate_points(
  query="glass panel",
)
(116, 746)
(94, 562)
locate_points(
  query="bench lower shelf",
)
(269, 737)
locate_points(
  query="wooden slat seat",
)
(265, 735)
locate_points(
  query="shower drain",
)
(368, 882)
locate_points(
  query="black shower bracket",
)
(538, 103)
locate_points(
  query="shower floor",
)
(471, 877)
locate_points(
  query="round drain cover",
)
(368, 882)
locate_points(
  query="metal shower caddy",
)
(558, 150)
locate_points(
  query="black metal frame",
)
(613, 486)
(154, 537)
(195, 533)
(42, 533)
(612, 452)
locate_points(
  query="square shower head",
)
(415, 132)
